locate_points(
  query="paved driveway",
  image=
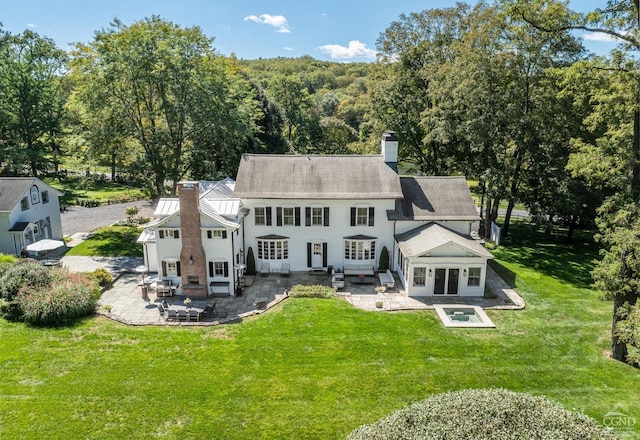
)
(78, 219)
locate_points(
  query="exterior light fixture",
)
(430, 272)
(190, 259)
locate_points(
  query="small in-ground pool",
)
(462, 316)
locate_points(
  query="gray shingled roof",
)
(12, 189)
(275, 176)
(431, 236)
(435, 198)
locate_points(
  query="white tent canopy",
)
(45, 245)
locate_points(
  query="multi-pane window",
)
(419, 276)
(288, 216)
(362, 216)
(218, 268)
(359, 250)
(217, 233)
(172, 267)
(260, 216)
(169, 233)
(45, 196)
(273, 249)
(474, 276)
(316, 216)
(24, 204)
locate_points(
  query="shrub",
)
(67, 299)
(314, 291)
(384, 260)
(25, 273)
(251, 262)
(487, 414)
(9, 259)
(101, 276)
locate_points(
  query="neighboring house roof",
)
(167, 207)
(434, 198)
(19, 227)
(276, 176)
(427, 238)
(12, 189)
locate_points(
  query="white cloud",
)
(278, 21)
(601, 37)
(355, 49)
(288, 48)
(32, 25)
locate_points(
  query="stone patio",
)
(123, 302)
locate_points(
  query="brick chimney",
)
(193, 262)
(390, 148)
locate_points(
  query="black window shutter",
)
(324, 254)
(307, 216)
(371, 215)
(268, 215)
(353, 216)
(211, 269)
(326, 216)
(164, 268)
(209, 234)
(226, 269)
(296, 211)
(176, 234)
(178, 267)
(224, 234)
(278, 216)
(308, 254)
(161, 232)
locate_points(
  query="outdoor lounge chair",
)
(172, 315)
(182, 315)
(285, 269)
(194, 315)
(161, 310)
(164, 289)
(165, 304)
(265, 269)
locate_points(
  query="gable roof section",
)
(277, 176)
(431, 236)
(12, 189)
(435, 198)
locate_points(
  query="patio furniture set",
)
(194, 312)
(284, 269)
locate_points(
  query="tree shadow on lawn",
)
(116, 241)
(551, 255)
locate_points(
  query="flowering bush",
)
(487, 414)
(25, 273)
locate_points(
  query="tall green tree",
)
(610, 157)
(32, 71)
(171, 92)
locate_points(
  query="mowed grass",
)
(112, 241)
(314, 368)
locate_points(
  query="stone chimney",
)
(390, 148)
(193, 262)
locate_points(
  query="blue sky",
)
(337, 30)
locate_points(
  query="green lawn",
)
(314, 368)
(112, 241)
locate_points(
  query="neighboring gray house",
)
(315, 212)
(29, 212)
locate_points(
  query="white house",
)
(321, 212)
(29, 212)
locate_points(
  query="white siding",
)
(333, 235)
